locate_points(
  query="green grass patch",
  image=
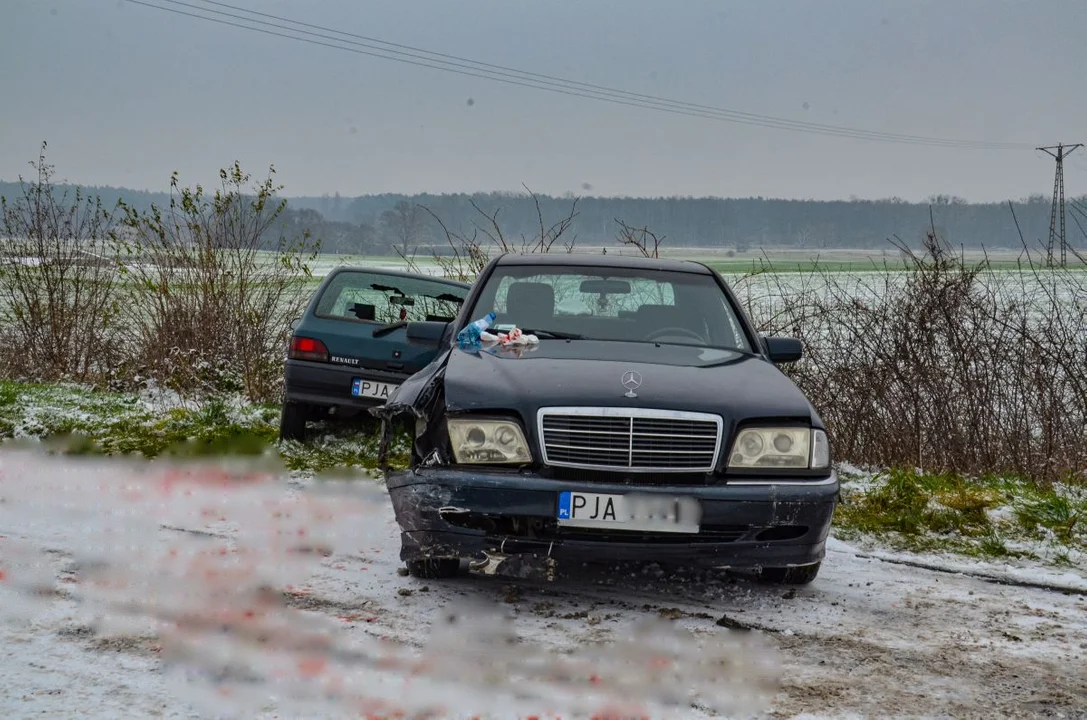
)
(1057, 514)
(75, 420)
(987, 517)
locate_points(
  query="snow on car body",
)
(652, 426)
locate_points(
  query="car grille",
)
(632, 478)
(630, 439)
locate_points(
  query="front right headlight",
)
(488, 441)
(794, 448)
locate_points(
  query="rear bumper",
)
(327, 385)
(445, 512)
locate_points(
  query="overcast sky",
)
(126, 94)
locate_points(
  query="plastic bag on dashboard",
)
(469, 338)
(512, 338)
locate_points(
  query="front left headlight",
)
(793, 448)
(492, 442)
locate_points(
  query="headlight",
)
(786, 447)
(477, 442)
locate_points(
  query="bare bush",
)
(944, 365)
(643, 239)
(470, 253)
(213, 290)
(58, 300)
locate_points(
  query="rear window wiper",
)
(555, 334)
(386, 329)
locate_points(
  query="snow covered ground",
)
(140, 589)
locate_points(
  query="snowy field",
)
(144, 589)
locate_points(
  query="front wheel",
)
(434, 568)
(292, 421)
(800, 575)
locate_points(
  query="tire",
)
(292, 421)
(434, 568)
(800, 575)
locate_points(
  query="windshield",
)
(383, 298)
(619, 304)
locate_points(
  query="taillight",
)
(304, 348)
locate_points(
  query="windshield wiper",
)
(447, 297)
(386, 288)
(386, 329)
(554, 334)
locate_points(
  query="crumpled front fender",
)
(421, 396)
(417, 394)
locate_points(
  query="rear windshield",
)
(631, 305)
(376, 297)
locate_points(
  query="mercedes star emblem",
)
(631, 381)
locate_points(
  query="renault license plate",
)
(372, 389)
(640, 512)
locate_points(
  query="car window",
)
(571, 300)
(381, 298)
(614, 304)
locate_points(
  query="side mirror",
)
(783, 349)
(427, 332)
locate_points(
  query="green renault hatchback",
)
(352, 347)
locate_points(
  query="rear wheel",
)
(292, 421)
(434, 568)
(800, 575)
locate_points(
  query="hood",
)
(734, 385)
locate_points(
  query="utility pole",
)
(1059, 152)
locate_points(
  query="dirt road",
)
(140, 590)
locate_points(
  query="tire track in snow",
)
(1078, 588)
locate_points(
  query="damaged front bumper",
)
(500, 520)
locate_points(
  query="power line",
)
(463, 66)
(588, 86)
(613, 95)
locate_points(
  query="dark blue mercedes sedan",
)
(650, 422)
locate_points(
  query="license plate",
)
(372, 389)
(636, 511)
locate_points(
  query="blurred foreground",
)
(207, 570)
(155, 589)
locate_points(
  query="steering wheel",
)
(672, 332)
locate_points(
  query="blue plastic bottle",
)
(468, 338)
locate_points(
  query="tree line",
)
(382, 224)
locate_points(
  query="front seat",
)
(530, 305)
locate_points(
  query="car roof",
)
(594, 260)
(399, 273)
